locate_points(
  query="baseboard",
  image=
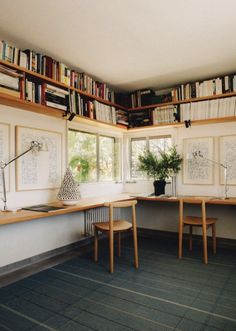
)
(149, 233)
(13, 267)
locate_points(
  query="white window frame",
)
(147, 138)
(98, 132)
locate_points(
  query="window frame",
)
(116, 173)
(147, 139)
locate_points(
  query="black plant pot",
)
(159, 187)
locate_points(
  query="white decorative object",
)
(198, 171)
(69, 192)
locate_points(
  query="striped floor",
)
(164, 294)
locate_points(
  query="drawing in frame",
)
(198, 170)
(227, 155)
(4, 153)
(38, 170)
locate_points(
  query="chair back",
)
(121, 204)
(193, 201)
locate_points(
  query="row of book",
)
(47, 94)
(104, 113)
(47, 66)
(80, 106)
(141, 98)
(92, 109)
(203, 110)
(211, 87)
(166, 114)
(140, 118)
(205, 88)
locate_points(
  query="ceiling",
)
(130, 44)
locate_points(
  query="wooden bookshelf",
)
(11, 101)
(193, 123)
(30, 106)
(211, 97)
(59, 84)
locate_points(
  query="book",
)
(10, 92)
(55, 90)
(56, 99)
(22, 61)
(43, 208)
(55, 105)
(9, 81)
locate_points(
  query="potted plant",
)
(160, 167)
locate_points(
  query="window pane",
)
(106, 158)
(82, 155)
(138, 147)
(159, 144)
(117, 157)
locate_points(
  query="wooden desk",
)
(83, 204)
(88, 203)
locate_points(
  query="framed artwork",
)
(197, 169)
(227, 150)
(38, 169)
(4, 152)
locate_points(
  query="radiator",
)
(95, 215)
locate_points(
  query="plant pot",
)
(159, 187)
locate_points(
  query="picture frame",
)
(5, 153)
(38, 170)
(197, 168)
(227, 156)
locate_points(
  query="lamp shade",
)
(69, 192)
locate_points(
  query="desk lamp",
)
(34, 146)
(199, 154)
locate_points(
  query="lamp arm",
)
(225, 166)
(216, 162)
(34, 145)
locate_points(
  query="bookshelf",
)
(49, 111)
(43, 109)
(211, 97)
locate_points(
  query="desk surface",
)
(83, 204)
(87, 203)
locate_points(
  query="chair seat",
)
(119, 225)
(197, 221)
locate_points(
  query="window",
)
(139, 145)
(93, 157)
(157, 144)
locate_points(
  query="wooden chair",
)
(112, 227)
(192, 221)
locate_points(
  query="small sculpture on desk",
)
(69, 192)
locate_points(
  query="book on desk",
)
(43, 208)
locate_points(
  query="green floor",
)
(164, 294)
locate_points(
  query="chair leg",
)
(190, 237)
(119, 244)
(95, 244)
(111, 250)
(214, 238)
(135, 239)
(204, 237)
(180, 240)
